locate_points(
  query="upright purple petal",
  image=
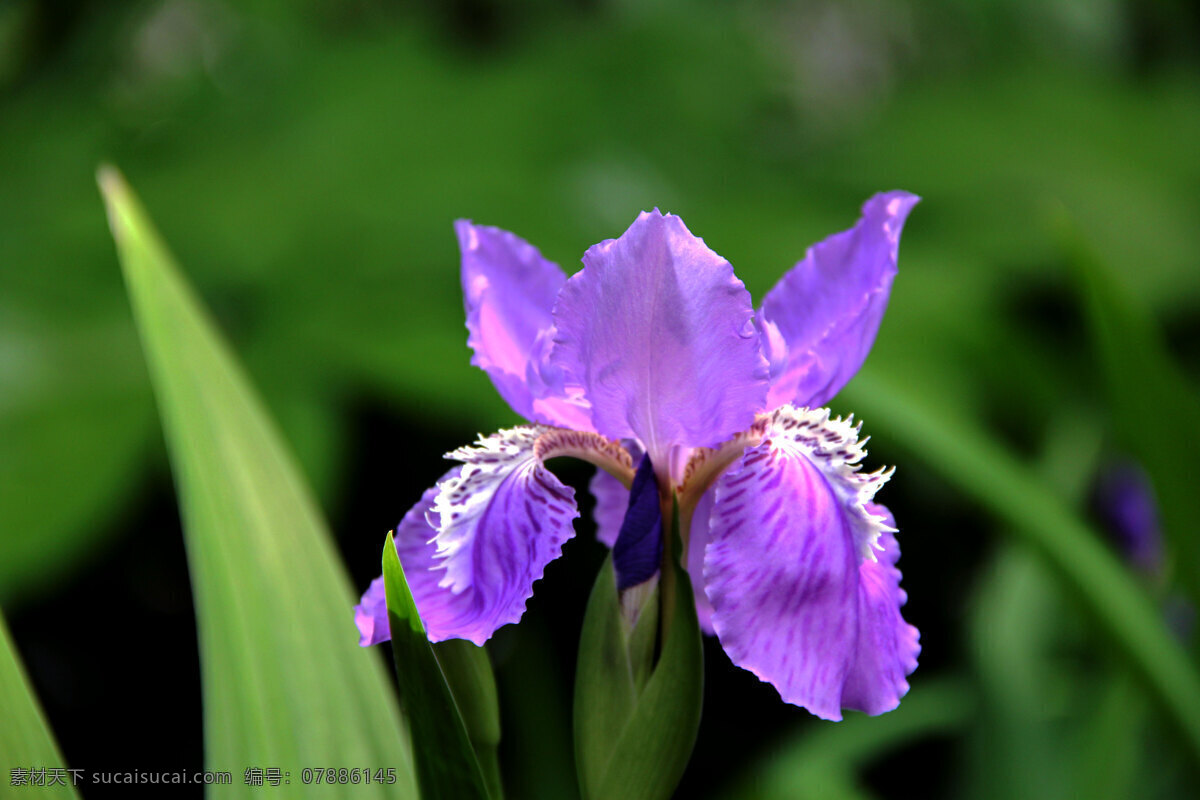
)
(499, 522)
(658, 334)
(820, 320)
(509, 291)
(799, 598)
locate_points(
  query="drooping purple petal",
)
(637, 553)
(370, 615)
(509, 291)
(437, 606)
(658, 334)
(797, 595)
(500, 521)
(820, 320)
(887, 645)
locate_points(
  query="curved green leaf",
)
(25, 739)
(285, 684)
(1155, 409)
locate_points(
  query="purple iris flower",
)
(654, 351)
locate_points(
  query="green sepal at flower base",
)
(633, 736)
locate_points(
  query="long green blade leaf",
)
(969, 459)
(285, 685)
(1155, 410)
(446, 765)
(468, 671)
(25, 740)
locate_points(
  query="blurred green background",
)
(305, 161)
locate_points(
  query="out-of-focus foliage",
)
(306, 161)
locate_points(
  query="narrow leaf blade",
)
(1155, 409)
(446, 765)
(285, 684)
(25, 739)
(468, 671)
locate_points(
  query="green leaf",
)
(468, 671)
(605, 695)
(969, 459)
(25, 739)
(446, 765)
(285, 684)
(1113, 738)
(1155, 410)
(633, 743)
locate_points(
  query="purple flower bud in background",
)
(1123, 502)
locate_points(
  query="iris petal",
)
(499, 521)
(803, 596)
(612, 499)
(370, 615)
(819, 322)
(439, 608)
(658, 335)
(509, 291)
(887, 645)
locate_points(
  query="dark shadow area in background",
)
(113, 655)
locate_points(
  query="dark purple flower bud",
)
(639, 547)
(1123, 501)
